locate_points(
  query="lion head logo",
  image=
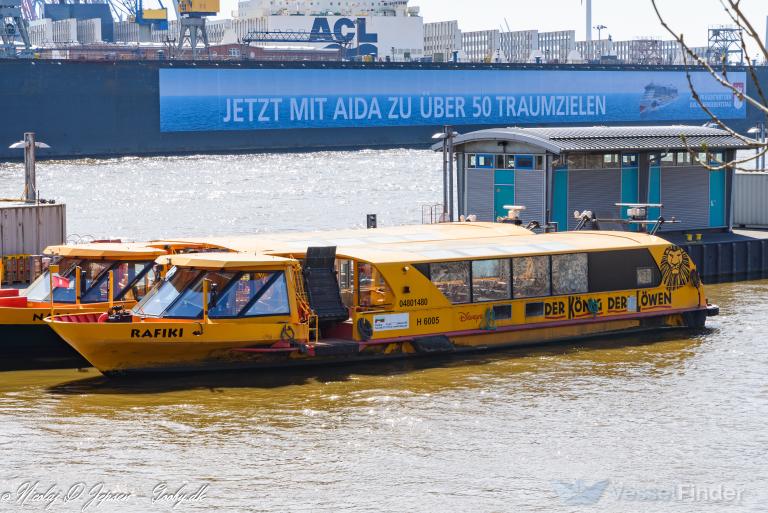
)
(675, 268)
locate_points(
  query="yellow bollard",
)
(78, 273)
(52, 270)
(206, 288)
(111, 291)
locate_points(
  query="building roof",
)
(492, 248)
(602, 138)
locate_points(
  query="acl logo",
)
(344, 32)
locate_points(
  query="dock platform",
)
(727, 256)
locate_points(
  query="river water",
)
(667, 423)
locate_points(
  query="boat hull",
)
(125, 357)
(26, 341)
(36, 345)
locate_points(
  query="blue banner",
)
(254, 99)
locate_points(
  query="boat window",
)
(190, 304)
(569, 274)
(166, 292)
(530, 276)
(271, 301)
(423, 269)
(622, 270)
(91, 271)
(346, 276)
(452, 279)
(141, 286)
(126, 275)
(491, 280)
(40, 289)
(372, 288)
(238, 294)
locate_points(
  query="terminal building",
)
(554, 172)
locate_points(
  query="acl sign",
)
(344, 31)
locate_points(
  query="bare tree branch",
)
(733, 10)
(701, 62)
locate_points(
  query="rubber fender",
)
(436, 344)
(364, 328)
(695, 319)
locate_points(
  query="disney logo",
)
(468, 316)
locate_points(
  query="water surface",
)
(502, 432)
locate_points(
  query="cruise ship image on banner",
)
(657, 97)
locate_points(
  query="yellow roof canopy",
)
(489, 248)
(107, 250)
(234, 261)
(298, 242)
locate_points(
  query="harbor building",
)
(442, 41)
(482, 46)
(553, 172)
(519, 45)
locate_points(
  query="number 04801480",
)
(405, 303)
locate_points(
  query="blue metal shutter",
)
(530, 187)
(480, 193)
(597, 190)
(685, 196)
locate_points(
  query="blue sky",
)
(625, 19)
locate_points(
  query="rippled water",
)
(143, 198)
(501, 432)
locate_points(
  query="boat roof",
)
(298, 242)
(128, 250)
(121, 250)
(551, 243)
(224, 260)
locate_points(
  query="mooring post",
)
(30, 180)
(29, 145)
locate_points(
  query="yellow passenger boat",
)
(383, 301)
(25, 336)
(79, 279)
